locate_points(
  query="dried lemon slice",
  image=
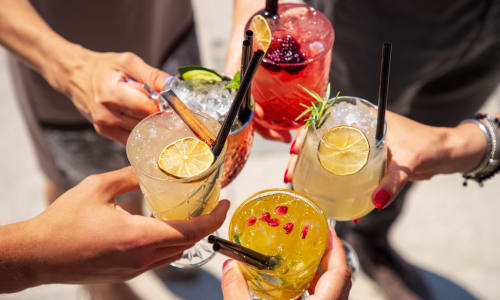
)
(261, 31)
(186, 157)
(344, 150)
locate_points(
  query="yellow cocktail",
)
(169, 197)
(281, 223)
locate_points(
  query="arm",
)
(95, 82)
(83, 237)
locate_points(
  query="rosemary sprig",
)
(319, 106)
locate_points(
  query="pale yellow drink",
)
(168, 197)
(285, 224)
(342, 197)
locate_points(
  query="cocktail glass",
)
(342, 197)
(214, 99)
(282, 223)
(299, 55)
(167, 197)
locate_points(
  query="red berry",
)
(281, 210)
(251, 221)
(288, 227)
(284, 50)
(304, 231)
(265, 217)
(273, 222)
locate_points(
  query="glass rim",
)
(217, 163)
(273, 191)
(316, 57)
(366, 102)
(227, 77)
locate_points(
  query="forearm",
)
(17, 250)
(28, 36)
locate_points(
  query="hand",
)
(415, 152)
(333, 284)
(83, 237)
(267, 133)
(99, 89)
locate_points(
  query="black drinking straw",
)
(238, 99)
(271, 8)
(385, 66)
(243, 254)
(245, 60)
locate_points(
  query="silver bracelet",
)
(490, 163)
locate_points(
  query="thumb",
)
(140, 71)
(390, 186)
(234, 285)
(118, 182)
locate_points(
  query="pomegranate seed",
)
(251, 221)
(265, 217)
(281, 210)
(273, 222)
(288, 227)
(304, 232)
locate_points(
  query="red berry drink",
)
(299, 55)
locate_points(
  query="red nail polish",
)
(292, 150)
(381, 199)
(355, 221)
(285, 179)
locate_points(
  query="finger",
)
(164, 253)
(290, 169)
(390, 186)
(118, 182)
(273, 134)
(186, 232)
(299, 140)
(197, 228)
(234, 285)
(133, 102)
(124, 121)
(113, 132)
(140, 71)
(335, 282)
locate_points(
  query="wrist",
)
(61, 65)
(18, 267)
(466, 146)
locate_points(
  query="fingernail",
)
(355, 221)
(285, 179)
(228, 265)
(381, 199)
(292, 147)
(167, 80)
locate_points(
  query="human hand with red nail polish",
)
(294, 153)
(418, 152)
(333, 284)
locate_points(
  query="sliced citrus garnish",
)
(344, 150)
(186, 157)
(261, 31)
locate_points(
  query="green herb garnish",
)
(235, 82)
(319, 106)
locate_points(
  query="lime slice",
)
(344, 150)
(261, 31)
(186, 157)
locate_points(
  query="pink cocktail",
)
(299, 55)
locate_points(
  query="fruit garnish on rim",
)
(186, 157)
(343, 149)
(262, 32)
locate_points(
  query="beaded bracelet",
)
(490, 165)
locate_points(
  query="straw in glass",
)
(243, 254)
(245, 60)
(271, 10)
(385, 66)
(238, 99)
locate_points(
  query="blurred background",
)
(450, 232)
